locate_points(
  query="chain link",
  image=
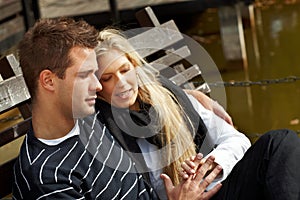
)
(289, 79)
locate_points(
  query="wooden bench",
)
(14, 108)
(162, 46)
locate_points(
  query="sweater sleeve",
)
(227, 144)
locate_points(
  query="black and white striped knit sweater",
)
(89, 166)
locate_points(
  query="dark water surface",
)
(273, 52)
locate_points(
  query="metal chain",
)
(289, 79)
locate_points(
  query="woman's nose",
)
(121, 80)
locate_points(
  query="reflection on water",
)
(272, 47)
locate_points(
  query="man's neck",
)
(50, 125)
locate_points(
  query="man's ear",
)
(47, 79)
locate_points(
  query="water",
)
(272, 49)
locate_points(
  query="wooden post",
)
(232, 33)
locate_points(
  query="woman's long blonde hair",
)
(177, 136)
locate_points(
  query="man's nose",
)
(99, 86)
(96, 84)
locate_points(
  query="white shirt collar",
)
(73, 132)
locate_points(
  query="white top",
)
(230, 146)
(53, 142)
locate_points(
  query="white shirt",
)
(230, 146)
(53, 142)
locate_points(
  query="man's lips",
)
(91, 100)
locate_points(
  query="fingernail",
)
(199, 156)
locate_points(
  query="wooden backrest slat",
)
(13, 92)
(171, 58)
(156, 38)
(204, 88)
(14, 132)
(9, 8)
(186, 75)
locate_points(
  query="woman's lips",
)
(125, 94)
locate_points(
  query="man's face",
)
(77, 91)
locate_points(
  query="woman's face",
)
(118, 78)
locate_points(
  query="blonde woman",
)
(154, 120)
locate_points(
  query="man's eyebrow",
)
(86, 71)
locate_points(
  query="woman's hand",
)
(189, 167)
(194, 188)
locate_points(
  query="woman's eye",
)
(125, 70)
(105, 78)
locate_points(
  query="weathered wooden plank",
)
(10, 9)
(14, 64)
(186, 75)
(13, 91)
(232, 33)
(204, 88)
(6, 2)
(156, 38)
(179, 68)
(11, 27)
(14, 132)
(171, 58)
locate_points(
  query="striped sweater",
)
(91, 165)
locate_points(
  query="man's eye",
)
(83, 75)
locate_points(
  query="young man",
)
(66, 155)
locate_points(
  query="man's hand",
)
(210, 104)
(194, 187)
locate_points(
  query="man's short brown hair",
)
(47, 45)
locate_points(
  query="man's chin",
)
(84, 113)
